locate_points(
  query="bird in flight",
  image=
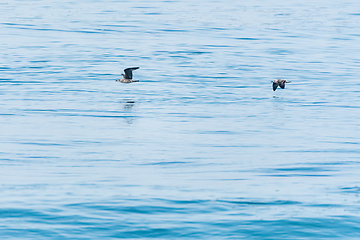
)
(127, 77)
(279, 82)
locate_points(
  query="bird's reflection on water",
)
(278, 103)
(128, 105)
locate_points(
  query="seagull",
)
(127, 77)
(279, 82)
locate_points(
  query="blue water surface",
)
(201, 147)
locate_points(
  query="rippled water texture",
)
(201, 147)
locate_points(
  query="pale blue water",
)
(201, 147)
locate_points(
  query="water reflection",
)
(128, 105)
(278, 103)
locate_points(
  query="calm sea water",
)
(201, 147)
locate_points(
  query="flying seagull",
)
(279, 82)
(127, 77)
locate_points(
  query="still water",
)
(201, 147)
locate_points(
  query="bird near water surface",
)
(127, 77)
(279, 82)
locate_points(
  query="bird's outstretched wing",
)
(282, 84)
(275, 85)
(128, 72)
